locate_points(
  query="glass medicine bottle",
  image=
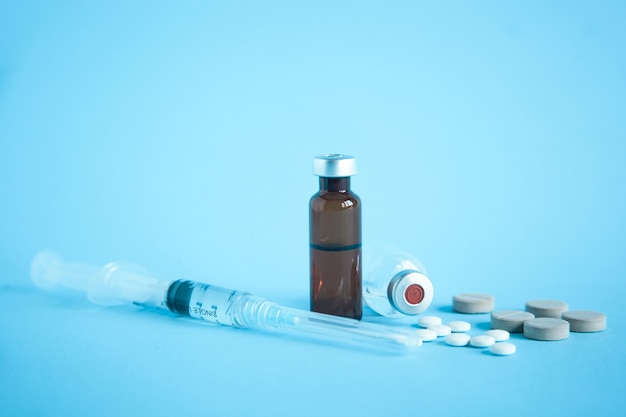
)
(335, 239)
(395, 283)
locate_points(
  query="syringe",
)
(120, 283)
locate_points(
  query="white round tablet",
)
(502, 348)
(482, 341)
(498, 334)
(459, 326)
(441, 330)
(428, 321)
(457, 339)
(427, 335)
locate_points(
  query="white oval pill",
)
(498, 334)
(428, 321)
(482, 341)
(457, 339)
(502, 348)
(427, 335)
(459, 326)
(441, 330)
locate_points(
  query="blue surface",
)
(491, 144)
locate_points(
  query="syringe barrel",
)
(223, 306)
(241, 309)
(205, 302)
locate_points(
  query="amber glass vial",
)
(335, 239)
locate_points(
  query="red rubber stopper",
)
(414, 294)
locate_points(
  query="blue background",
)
(491, 141)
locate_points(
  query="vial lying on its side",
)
(395, 283)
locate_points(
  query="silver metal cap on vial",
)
(334, 165)
(410, 292)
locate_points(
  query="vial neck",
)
(335, 184)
